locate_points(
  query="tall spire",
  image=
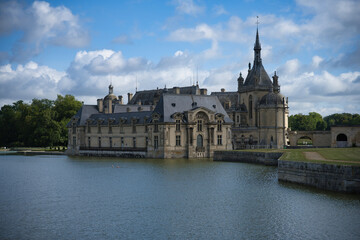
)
(257, 46)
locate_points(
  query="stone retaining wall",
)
(101, 153)
(339, 178)
(266, 158)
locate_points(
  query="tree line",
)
(314, 121)
(39, 124)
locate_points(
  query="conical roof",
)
(257, 76)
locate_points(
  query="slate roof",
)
(172, 103)
(271, 99)
(233, 97)
(120, 108)
(147, 97)
(84, 113)
(166, 107)
(126, 117)
(257, 78)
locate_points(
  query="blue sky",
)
(79, 47)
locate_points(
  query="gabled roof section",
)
(173, 103)
(84, 113)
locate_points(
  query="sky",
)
(80, 47)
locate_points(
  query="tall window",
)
(178, 140)
(156, 126)
(200, 125)
(73, 128)
(146, 127)
(134, 127)
(199, 141)
(99, 128)
(88, 128)
(238, 119)
(219, 140)
(250, 107)
(156, 142)
(178, 125)
(134, 142)
(99, 142)
(74, 142)
(89, 142)
(146, 141)
(122, 141)
(110, 141)
(219, 125)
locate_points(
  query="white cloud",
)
(316, 60)
(323, 92)
(27, 82)
(41, 25)
(188, 7)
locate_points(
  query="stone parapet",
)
(266, 158)
(340, 178)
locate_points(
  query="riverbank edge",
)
(32, 153)
(333, 177)
(265, 158)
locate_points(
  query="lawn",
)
(343, 156)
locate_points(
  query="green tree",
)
(65, 108)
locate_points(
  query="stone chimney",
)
(120, 99)
(100, 105)
(130, 95)
(203, 91)
(176, 90)
(223, 90)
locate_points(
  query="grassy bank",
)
(342, 156)
(40, 149)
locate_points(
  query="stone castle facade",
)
(184, 122)
(171, 123)
(258, 110)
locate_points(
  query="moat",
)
(61, 197)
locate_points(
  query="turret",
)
(276, 85)
(240, 82)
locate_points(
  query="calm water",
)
(57, 197)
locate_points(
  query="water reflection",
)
(87, 198)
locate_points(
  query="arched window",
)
(199, 141)
(341, 137)
(250, 107)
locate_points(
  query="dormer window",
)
(156, 126)
(219, 125)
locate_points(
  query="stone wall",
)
(319, 138)
(265, 158)
(339, 178)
